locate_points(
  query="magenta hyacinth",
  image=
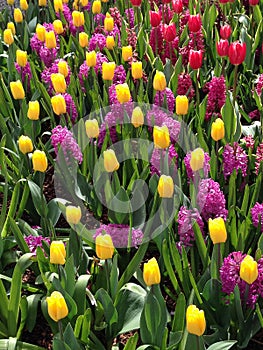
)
(185, 86)
(97, 41)
(259, 157)
(234, 158)
(158, 155)
(46, 75)
(216, 97)
(33, 242)
(26, 72)
(257, 214)
(170, 99)
(193, 175)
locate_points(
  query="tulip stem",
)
(197, 342)
(107, 270)
(197, 91)
(60, 327)
(235, 85)
(156, 41)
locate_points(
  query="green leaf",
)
(32, 301)
(222, 345)
(38, 199)
(80, 293)
(132, 342)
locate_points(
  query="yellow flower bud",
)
(73, 214)
(75, 5)
(10, 2)
(126, 52)
(248, 269)
(57, 306)
(84, 3)
(57, 253)
(50, 40)
(161, 136)
(23, 5)
(25, 144)
(137, 118)
(41, 32)
(110, 161)
(8, 37)
(181, 103)
(21, 58)
(58, 26)
(11, 25)
(136, 70)
(197, 159)
(42, 3)
(92, 128)
(151, 272)
(78, 18)
(217, 230)
(58, 104)
(108, 23)
(165, 187)
(18, 16)
(59, 83)
(159, 81)
(110, 42)
(218, 130)
(63, 68)
(58, 5)
(96, 7)
(33, 110)
(123, 93)
(39, 160)
(195, 320)
(104, 246)
(83, 39)
(108, 69)
(17, 90)
(91, 58)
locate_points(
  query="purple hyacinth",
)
(193, 175)
(97, 41)
(35, 241)
(119, 75)
(158, 155)
(46, 75)
(48, 55)
(257, 214)
(259, 157)
(185, 86)
(129, 14)
(211, 200)
(170, 99)
(62, 138)
(26, 72)
(216, 97)
(120, 235)
(71, 108)
(234, 157)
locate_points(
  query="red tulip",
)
(195, 59)
(177, 6)
(253, 2)
(169, 32)
(194, 23)
(223, 1)
(237, 52)
(155, 18)
(166, 1)
(136, 2)
(222, 47)
(225, 31)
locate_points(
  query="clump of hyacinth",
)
(259, 85)
(254, 115)
(257, 214)
(185, 86)
(120, 235)
(156, 40)
(186, 219)
(71, 108)
(68, 17)
(129, 15)
(46, 75)
(119, 75)
(170, 99)
(99, 20)
(259, 157)
(249, 141)
(63, 139)
(170, 50)
(115, 13)
(33, 242)
(211, 200)
(193, 175)
(131, 38)
(234, 158)
(26, 72)
(158, 156)
(166, 13)
(97, 41)
(229, 274)
(216, 97)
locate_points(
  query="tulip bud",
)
(18, 16)
(10, 2)
(218, 130)
(59, 83)
(195, 59)
(151, 272)
(96, 7)
(23, 5)
(58, 104)
(91, 59)
(155, 19)
(58, 26)
(63, 68)
(217, 230)
(169, 32)
(21, 58)
(237, 52)
(126, 53)
(33, 110)
(8, 37)
(225, 31)
(159, 81)
(11, 25)
(123, 93)
(84, 3)
(104, 246)
(58, 5)
(248, 269)
(137, 118)
(108, 23)
(92, 128)
(78, 19)
(17, 90)
(73, 214)
(194, 23)
(42, 3)
(177, 6)
(253, 2)
(50, 40)
(195, 320)
(136, 3)
(25, 144)
(110, 161)
(222, 48)
(57, 306)
(57, 253)
(41, 32)
(161, 137)
(39, 160)
(108, 69)
(181, 103)
(165, 187)
(223, 1)
(136, 70)
(83, 39)
(110, 42)
(197, 159)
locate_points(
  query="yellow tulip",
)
(110, 161)
(58, 104)
(137, 118)
(8, 37)
(197, 159)
(57, 306)
(50, 40)
(165, 187)
(96, 7)
(151, 272)
(218, 130)
(73, 214)
(181, 103)
(92, 128)
(123, 93)
(63, 68)
(10, 2)
(78, 18)
(21, 58)
(41, 32)
(18, 16)
(58, 26)
(39, 160)
(11, 25)
(42, 3)
(59, 83)
(161, 137)
(195, 320)
(84, 3)
(110, 42)
(91, 59)
(17, 90)
(136, 70)
(58, 5)
(33, 110)
(57, 253)
(108, 23)
(83, 39)
(25, 144)
(104, 247)
(108, 69)
(23, 5)
(217, 230)
(248, 269)
(159, 81)
(126, 52)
